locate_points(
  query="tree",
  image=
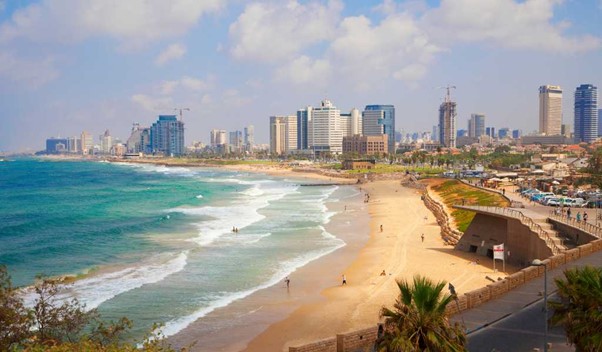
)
(579, 309)
(61, 326)
(418, 322)
(15, 319)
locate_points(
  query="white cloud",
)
(525, 25)
(29, 73)
(132, 22)
(167, 87)
(172, 52)
(272, 32)
(305, 70)
(152, 104)
(196, 84)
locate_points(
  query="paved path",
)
(514, 322)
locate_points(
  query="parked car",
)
(553, 202)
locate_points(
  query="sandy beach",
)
(317, 306)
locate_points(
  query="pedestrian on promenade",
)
(578, 216)
(584, 216)
(568, 213)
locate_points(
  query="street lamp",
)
(538, 262)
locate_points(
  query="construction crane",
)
(448, 95)
(181, 109)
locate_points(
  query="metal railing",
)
(525, 220)
(590, 228)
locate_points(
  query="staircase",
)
(562, 242)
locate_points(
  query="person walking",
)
(578, 216)
(585, 216)
(568, 213)
(422, 237)
(288, 282)
(344, 280)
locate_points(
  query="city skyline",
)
(65, 71)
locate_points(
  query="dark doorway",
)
(490, 253)
(473, 249)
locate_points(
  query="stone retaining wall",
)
(450, 235)
(328, 345)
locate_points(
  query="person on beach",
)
(383, 273)
(422, 237)
(288, 282)
(344, 280)
(381, 228)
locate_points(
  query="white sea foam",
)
(95, 290)
(285, 269)
(169, 170)
(242, 213)
(200, 196)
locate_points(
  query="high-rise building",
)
(462, 133)
(134, 142)
(56, 145)
(167, 136)
(74, 145)
(476, 125)
(503, 132)
(236, 142)
(447, 123)
(516, 134)
(490, 131)
(550, 110)
(283, 134)
(325, 133)
(303, 121)
(599, 123)
(351, 123)
(249, 138)
(435, 133)
(218, 138)
(387, 121)
(586, 113)
(106, 142)
(87, 143)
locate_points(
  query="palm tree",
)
(418, 322)
(579, 309)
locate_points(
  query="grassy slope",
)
(453, 192)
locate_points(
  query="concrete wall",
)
(576, 235)
(487, 230)
(328, 345)
(357, 341)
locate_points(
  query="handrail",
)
(525, 220)
(592, 229)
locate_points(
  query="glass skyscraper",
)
(167, 136)
(388, 122)
(586, 113)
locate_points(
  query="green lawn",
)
(386, 169)
(453, 192)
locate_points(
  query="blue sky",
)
(71, 65)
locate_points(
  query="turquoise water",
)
(156, 242)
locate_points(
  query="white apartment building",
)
(550, 110)
(283, 134)
(326, 130)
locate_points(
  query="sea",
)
(156, 243)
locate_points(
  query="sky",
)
(71, 65)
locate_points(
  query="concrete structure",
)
(476, 125)
(167, 136)
(447, 124)
(325, 133)
(365, 145)
(218, 138)
(545, 140)
(106, 142)
(351, 123)
(87, 143)
(586, 113)
(550, 110)
(358, 164)
(283, 134)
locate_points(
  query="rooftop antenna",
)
(181, 109)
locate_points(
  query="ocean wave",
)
(200, 196)
(95, 290)
(241, 214)
(174, 326)
(168, 170)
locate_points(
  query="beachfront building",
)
(249, 139)
(167, 136)
(218, 138)
(351, 123)
(381, 120)
(87, 143)
(365, 145)
(550, 110)
(447, 123)
(586, 113)
(135, 143)
(325, 131)
(283, 134)
(303, 121)
(476, 125)
(106, 142)
(56, 145)
(236, 142)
